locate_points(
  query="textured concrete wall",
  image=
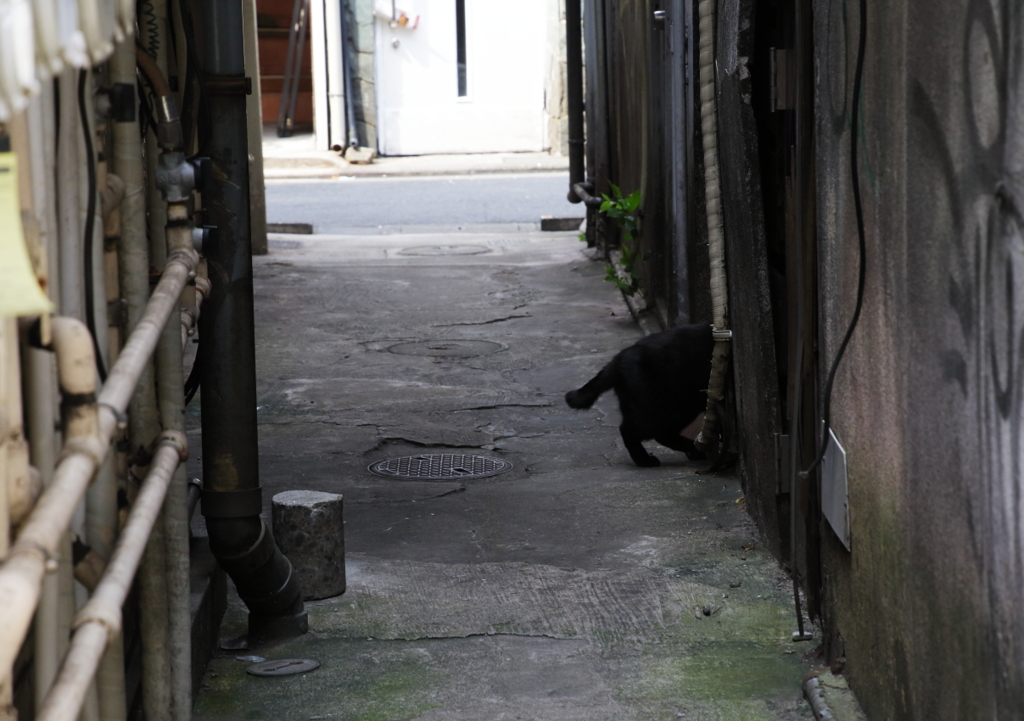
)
(928, 606)
(556, 106)
(361, 28)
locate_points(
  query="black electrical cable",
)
(858, 78)
(90, 223)
(194, 376)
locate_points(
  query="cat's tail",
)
(585, 396)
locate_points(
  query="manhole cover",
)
(447, 348)
(283, 667)
(431, 250)
(440, 467)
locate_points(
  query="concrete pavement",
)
(298, 157)
(575, 586)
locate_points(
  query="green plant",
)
(624, 211)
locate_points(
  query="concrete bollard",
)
(310, 530)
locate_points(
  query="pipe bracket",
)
(721, 335)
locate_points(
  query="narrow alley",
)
(575, 585)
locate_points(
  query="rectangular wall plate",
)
(834, 497)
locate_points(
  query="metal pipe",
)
(153, 604)
(35, 548)
(239, 538)
(170, 392)
(98, 624)
(337, 94)
(716, 238)
(69, 135)
(582, 192)
(574, 96)
(143, 423)
(101, 499)
(40, 377)
(347, 66)
(10, 402)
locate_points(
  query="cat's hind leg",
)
(681, 443)
(636, 449)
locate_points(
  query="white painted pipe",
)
(335, 74)
(35, 550)
(38, 367)
(716, 234)
(99, 622)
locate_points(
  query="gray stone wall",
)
(928, 606)
(555, 104)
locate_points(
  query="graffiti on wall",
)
(978, 164)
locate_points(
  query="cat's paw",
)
(649, 462)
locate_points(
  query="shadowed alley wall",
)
(927, 607)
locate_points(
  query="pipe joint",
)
(89, 446)
(175, 440)
(583, 192)
(108, 618)
(31, 553)
(285, 598)
(187, 257)
(175, 176)
(251, 560)
(723, 335)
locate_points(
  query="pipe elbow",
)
(72, 343)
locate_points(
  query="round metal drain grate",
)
(432, 250)
(447, 348)
(440, 467)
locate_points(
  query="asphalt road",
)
(347, 205)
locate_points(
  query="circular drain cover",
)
(447, 348)
(440, 467)
(283, 667)
(431, 250)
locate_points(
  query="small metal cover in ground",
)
(440, 467)
(283, 667)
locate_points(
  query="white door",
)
(493, 101)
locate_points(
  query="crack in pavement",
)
(482, 322)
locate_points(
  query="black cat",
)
(661, 382)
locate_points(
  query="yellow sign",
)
(20, 293)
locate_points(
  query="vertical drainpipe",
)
(580, 188)
(40, 383)
(170, 383)
(70, 162)
(153, 601)
(232, 499)
(574, 94)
